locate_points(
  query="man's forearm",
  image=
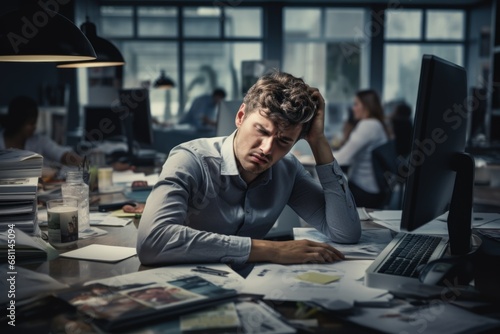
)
(261, 251)
(322, 151)
(175, 243)
(293, 251)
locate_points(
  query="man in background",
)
(203, 114)
(19, 132)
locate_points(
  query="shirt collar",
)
(229, 166)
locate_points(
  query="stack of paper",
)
(19, 170)
(26, 247)
(20, 164)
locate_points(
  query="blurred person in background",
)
(203, 112)
(19, 132)
(356, 153)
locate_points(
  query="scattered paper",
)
(110, 220)
(127, 177)
(363, 215)
(254, 318)
(29, 284)
(220, 317)
(436, 317)
(371, 243)
(91, 232)
(259, 318)
(102, 253)
(391, 219)
(492, 221)
(169, 273)
(279, 282)
(393, 225)
(479, 219)
(123, 214)
(318, 278)
(386, 215)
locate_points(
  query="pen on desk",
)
(210, 272)
(212, 269)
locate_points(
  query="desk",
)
(72, 272)
(486, 198)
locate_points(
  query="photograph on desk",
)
(117, 307)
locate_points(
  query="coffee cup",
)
(105, 178)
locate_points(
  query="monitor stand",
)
(460, 213)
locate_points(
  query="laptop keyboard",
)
(413, 250)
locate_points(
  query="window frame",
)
(181, 39)
(423, 40)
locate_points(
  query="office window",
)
(302, 23)
(445, 24)
(243, 22)
(212, 65)
(405, 45)
(344, 23)
(404, 24)
(145, 60)
(402, 68)
(329, 51)
(202, 22)
(116, 21)
(203, 64)
(157, 21)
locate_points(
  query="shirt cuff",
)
(237, 250)
(330, 172)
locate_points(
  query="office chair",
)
(385, 167)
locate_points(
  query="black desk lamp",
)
(37, 34)
(107, 53)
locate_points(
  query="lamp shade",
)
(163, 82)
(107, 53)
(38, 34)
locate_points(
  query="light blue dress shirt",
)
(201, 210)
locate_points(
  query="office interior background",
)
(338, 46)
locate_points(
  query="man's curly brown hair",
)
(284, 99)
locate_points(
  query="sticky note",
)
(318, 278)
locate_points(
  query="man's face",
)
(259, 144)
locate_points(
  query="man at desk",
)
(218, 197)
(19, 132)
(202, 114)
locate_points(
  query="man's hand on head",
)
(317, 129)
(316, 135)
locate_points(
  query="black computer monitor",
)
(135, 105)
(440, 175)
(102, 123)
